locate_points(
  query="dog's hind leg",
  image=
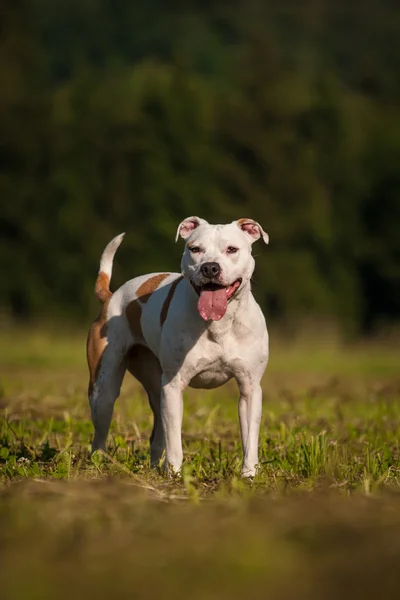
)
(144, 365)
(103, 395)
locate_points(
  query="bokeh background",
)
(129, 116)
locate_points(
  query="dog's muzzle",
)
(214, 298)
(210, 270)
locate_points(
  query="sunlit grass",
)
(335, 420)
(322, 510)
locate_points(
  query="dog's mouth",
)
(214, 298)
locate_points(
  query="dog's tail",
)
(102, 287)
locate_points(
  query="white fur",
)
(186, 350)
(106, 261)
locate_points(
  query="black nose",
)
(210, 269)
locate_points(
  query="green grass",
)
(320, 519)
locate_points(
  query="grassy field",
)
(320, 520)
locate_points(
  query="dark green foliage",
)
(129, 116)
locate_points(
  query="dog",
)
(198, 328)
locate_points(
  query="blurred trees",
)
(129, 116)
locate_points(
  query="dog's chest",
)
(212, 364)
(211, 374)
(208, 357)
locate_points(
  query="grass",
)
(320, 519)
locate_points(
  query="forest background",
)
(129, 116)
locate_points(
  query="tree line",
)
(129, 116)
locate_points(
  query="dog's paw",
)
(172, 472)
(249, 472)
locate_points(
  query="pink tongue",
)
(212, 304)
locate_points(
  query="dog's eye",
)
(231, 249)
(195, 249)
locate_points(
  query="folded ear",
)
(187, 227)
(253, 229)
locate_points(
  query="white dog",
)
(170, 330)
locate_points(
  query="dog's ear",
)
(253, 229)
(187, 226)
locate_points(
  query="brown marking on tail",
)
(96, 343)
(168, 300)
(102, 287)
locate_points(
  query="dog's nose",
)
(210, 269)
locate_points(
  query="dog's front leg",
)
(172, 414)
(250, 409)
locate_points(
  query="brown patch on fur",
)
(102, 287)
(134, 309)
(133, 314)
(168, 299)
(149, 286)
(241, 221)
(96, 343)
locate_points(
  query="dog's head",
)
(217, 261)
